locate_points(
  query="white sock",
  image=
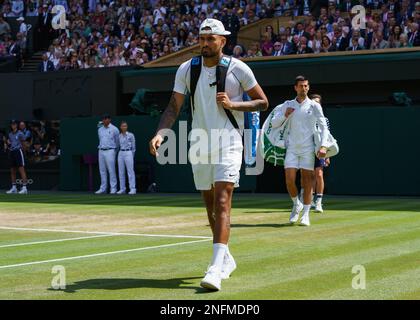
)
(219, 250)
(306, 208)
(319, 198)
(295, 200)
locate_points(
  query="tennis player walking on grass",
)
(302, 115)
(216, 84)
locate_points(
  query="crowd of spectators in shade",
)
(41, 140)
(103, 33)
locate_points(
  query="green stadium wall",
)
(378, 154)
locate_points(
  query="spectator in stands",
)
(355, 46)
(271, 34)
(21, 42)
(38, 131)
(303, 46)
(413, 35)
(23, 28)
(101, 32)
(14, 50)
(44, 31)
(299, 30)
(403, 41)
(46, 65)
(31, 8)
(379, 42)
(231, 22)
(254, 50)
(238, 52)
(326, 45)
(266, 45)
(17, 8)
(251, 17)
(4, 28)
(52, 150)
(316, 43)
(37, 152)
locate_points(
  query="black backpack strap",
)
(221, 73)
(194, 76)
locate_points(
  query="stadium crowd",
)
(103, 33)
(389, 24)
(41, 140)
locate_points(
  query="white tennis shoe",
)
(23, 190)
(318, 207)
(212, 280)
(294, 215)
(132, 191)
(229, 265)
(304, 221)
(100, 191)
(12, 190)
(121, 192)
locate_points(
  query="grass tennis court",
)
(158, 247)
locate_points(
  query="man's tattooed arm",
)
(171, 112)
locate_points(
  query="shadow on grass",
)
(122, 284)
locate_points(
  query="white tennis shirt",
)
(302, 124)
(208, 114)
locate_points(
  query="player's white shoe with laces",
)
(304, 221)
(132, 191)
(121, 192)
(318, 207)
(113, 192)
(23, 190)
(100, 191)
(229, 265)
(212, 280)
(294, 215)
(12, 190)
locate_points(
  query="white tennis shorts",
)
(205, 175)
(299, 160)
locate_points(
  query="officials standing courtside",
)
(108, 146)
(127, 143)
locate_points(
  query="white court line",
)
(99, 254)
(107, 233)
(56, 240)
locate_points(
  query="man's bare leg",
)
(307, 176)
(22, 173)
(13, 176)
(291, 182)
(208, 197)
(319, 177)
(222, 194)
(293, 192)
